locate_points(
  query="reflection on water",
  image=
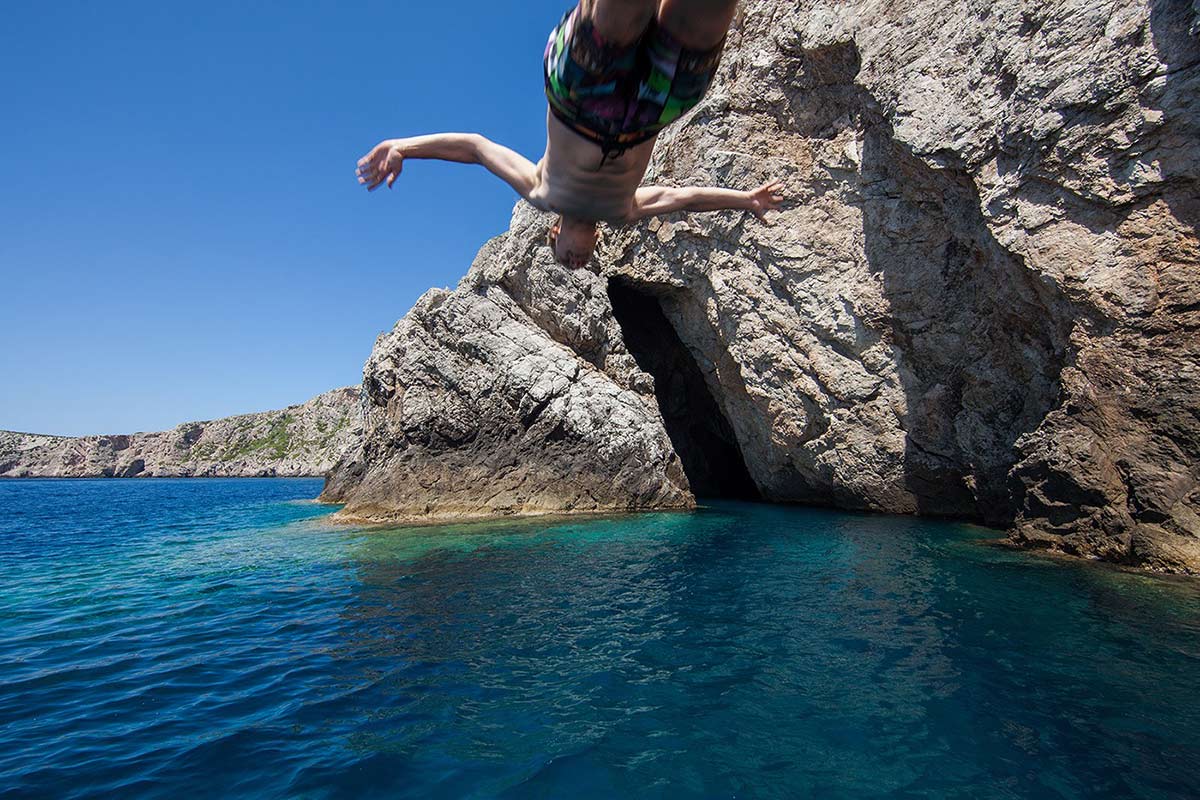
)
(219, 636)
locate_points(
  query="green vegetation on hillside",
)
(277, 440)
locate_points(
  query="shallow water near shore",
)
(219, 638)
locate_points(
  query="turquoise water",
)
(220, 638)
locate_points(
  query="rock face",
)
(300, 440)
(982, 300)
(477, 409)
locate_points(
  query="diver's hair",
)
(552, 238)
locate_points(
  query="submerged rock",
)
(300, 440)
(982, 300)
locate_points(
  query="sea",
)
(226, 638)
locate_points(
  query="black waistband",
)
(612, 146)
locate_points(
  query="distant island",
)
(300, 440)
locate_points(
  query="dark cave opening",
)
(699, 431)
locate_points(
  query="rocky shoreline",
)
(981, 302)
(303, 440)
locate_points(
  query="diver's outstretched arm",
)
(650, 201)
(386, 159)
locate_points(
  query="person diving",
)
(617, 73)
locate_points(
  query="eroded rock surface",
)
(300, 440)
(982, 300)
(477, 410)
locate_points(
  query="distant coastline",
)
(158, 477)
(300, 441)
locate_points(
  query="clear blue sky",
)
(181, 233)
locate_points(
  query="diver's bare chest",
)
(577, 180)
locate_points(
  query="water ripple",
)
(216, 637)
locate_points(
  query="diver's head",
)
(573, 241)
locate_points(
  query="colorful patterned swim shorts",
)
(619, 97)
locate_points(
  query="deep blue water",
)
(219, 638)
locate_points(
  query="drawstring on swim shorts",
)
(611, 151)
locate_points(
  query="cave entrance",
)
(699, 431)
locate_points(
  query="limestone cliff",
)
(300, 440)
(982, 300)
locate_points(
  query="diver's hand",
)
(768, 197)
(383, 164)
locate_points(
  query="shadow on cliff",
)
(979, 342)
(1175, 33)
